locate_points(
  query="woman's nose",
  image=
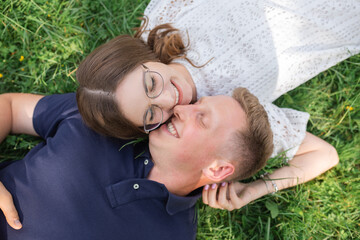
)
(166, 100)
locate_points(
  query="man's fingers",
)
(12, 218)
(8, 208)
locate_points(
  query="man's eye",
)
(200, 118)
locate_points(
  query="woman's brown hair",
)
(101, 72)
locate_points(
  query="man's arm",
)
(314, 157)
(16, 115)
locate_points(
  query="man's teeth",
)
(171, 129)
(176, 94)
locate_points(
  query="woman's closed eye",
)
(151, 114)
(152, 85)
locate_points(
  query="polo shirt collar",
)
(177, 204)
(174, 203)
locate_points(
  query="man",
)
(79, 185)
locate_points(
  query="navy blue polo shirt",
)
(78, 185)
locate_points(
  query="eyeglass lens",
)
(153, 84)
(153, 118)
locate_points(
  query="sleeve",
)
(51, 110)
(289, 129)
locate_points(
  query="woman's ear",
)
(219, 170)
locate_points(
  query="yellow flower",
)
(350, 108)
(49, 15)
(1, 75)
(22, 69)
(21, 58)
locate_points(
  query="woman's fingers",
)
(212, 196)
(223, 199)
(229, 196)
(205, 194)
(236, 200)
(8, 208)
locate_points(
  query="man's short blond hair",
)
(251, 147)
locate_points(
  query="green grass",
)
(54, 36)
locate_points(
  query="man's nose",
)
(183, 112)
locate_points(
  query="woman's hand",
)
(8, 208)
(314, 157)
(233, 195)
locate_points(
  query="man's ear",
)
(219, 170)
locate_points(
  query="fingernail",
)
(213, 186)
(17, 223)
(206, 187)
(223, 184)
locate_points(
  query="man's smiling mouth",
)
(171, 128)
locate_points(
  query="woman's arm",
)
(15, 117)
(314, 157)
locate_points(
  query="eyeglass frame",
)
(148, 71)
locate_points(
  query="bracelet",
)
(262, 176)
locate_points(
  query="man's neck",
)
(178, 185)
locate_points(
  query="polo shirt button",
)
(136, 186)
(146, 161)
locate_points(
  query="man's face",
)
(190, 140)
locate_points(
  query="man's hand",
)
(232, 195)
(8, 208)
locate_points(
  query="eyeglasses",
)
(153, 85)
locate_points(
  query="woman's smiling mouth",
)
(178, 93)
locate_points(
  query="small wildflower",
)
(49, 15)
(1, 75)
(22, 69)
(350, 108)
(21, 58)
